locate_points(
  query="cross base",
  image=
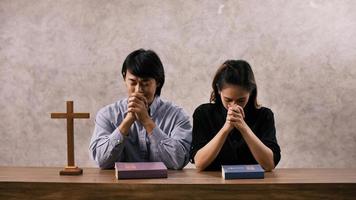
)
(71, 170)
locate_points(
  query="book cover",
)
(136, 170)
(242, 172)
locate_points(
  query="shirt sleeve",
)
(200, 129)
(172, 148)
(269, 136)
(107, 142)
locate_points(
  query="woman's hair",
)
(235, 72)
(145, 64)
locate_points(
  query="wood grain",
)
(71, 169)
(31, 183)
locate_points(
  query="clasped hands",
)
(235, 118)
(138, 107)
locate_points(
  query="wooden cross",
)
(70, 169)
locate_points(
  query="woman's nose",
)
(232, 104)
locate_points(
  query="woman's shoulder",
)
(265, 112)
(206, 108)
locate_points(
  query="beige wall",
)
(303, 54)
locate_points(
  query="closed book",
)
(242, 172)
(132, 170)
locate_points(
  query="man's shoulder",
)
(115, 107)
(171, 107)
(167, 103)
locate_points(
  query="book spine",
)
(246, 175)
(141, 174)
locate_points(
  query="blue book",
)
(242, 171)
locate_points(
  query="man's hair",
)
(145, 64)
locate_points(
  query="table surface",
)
(296, 184)
(186, 176)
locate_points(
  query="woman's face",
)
(234, 95)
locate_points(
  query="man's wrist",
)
(149, 125)
(125, 125)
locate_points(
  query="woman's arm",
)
(262, 154)
(207, 154)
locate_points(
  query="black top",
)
(209, 118)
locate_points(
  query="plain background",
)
(303, 54)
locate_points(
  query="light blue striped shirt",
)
(169, 142)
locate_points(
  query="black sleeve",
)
(200, 130)
(268, 138)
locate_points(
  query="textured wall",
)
(303, 54)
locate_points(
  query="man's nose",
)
(138, 88)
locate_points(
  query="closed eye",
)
(228, 100)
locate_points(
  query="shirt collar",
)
(154, 105)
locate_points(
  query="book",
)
(242, 172)
(136, 170)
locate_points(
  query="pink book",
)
(131, 170)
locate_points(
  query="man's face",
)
(146, 86)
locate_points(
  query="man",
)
(142, 127)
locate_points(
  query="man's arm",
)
(107, 142)
(172, 148)
(126, 124)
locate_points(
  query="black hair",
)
(235, 72)
(145, 64)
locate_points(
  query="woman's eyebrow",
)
(240, 98)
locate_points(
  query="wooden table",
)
(45, 183)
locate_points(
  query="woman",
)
(233, 129)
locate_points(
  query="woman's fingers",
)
(234, 117)
(237, 109)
